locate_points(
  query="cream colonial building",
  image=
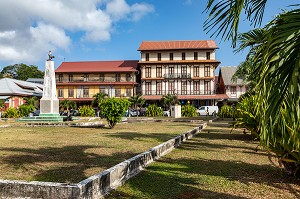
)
(182, 68)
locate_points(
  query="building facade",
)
(233, 89)
(80, 81)
(182, 68)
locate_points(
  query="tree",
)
(67, 104)
(275, 57)
(34, 101)
(113, 109)
(22, 72)
(169, 100)
(98, 98)
(137, 100)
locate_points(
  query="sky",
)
(95, 30)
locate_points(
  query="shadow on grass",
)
(183, 178)
(65, 164)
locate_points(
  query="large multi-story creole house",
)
(182, 68)
(80, 81)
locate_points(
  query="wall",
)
(95, 186)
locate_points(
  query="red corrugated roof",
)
(98, 66)
(174, 45)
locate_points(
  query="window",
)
(70, 92)
(159, 56)
(101, 77)
(148, 88)
(60, 92)
(85, 77)
(103, 90)
(207, 90)
(233, 90)
(148, 71)
(117, 77)
(183, 71)
(128, 92)
(147, 56)
(158, 88)
(195, 55)
(128, 77)
(158, 72)
(196, 87)
(60, 77)
(171, 88)
(70, 78)
(196, 71)
(86, 91)
(183, 56)
(171, 72)
(208, 55)
(183, 87)
(118, 92)
(206, 71)
(171, 56)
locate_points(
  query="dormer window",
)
(147, 56)
(158, 56)
(183, 56)
(208, 55)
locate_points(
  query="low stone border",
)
(95, 186)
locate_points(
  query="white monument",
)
(176, 111)
(49, 103)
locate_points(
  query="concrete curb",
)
(97, 185)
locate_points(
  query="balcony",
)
(177, 76)
(179, 92)
(77, 80)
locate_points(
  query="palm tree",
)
(276, 58)
(67, 104)
(137, 100)
(169, 100)
(98, 98)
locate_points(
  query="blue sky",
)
(95, 30)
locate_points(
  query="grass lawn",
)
(71, 154)
(218, 164)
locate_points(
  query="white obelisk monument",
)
(49, 104)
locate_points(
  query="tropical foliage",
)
(153, 111)
(25, 109)
(188, 111)
(226, 111)
(22, 72)
(86, 111)
(137, 100)
(33, 100)
(98, 98)
(67, 104)
(113, 109)
(169, 100)
(11, 113)
(274, 54)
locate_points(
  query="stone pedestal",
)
(176, 111)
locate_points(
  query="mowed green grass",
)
(71, 154)
(216, 163)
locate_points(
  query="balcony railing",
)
(179, 92)
(95, 80)
(177, 76)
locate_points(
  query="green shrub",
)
(153, 111)
(25, 109)
(188, 111)
(86, 111)
(11, 113)
(226, 111)
(113, 109)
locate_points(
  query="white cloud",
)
(30, 27)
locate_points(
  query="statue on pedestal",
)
(50, 56)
